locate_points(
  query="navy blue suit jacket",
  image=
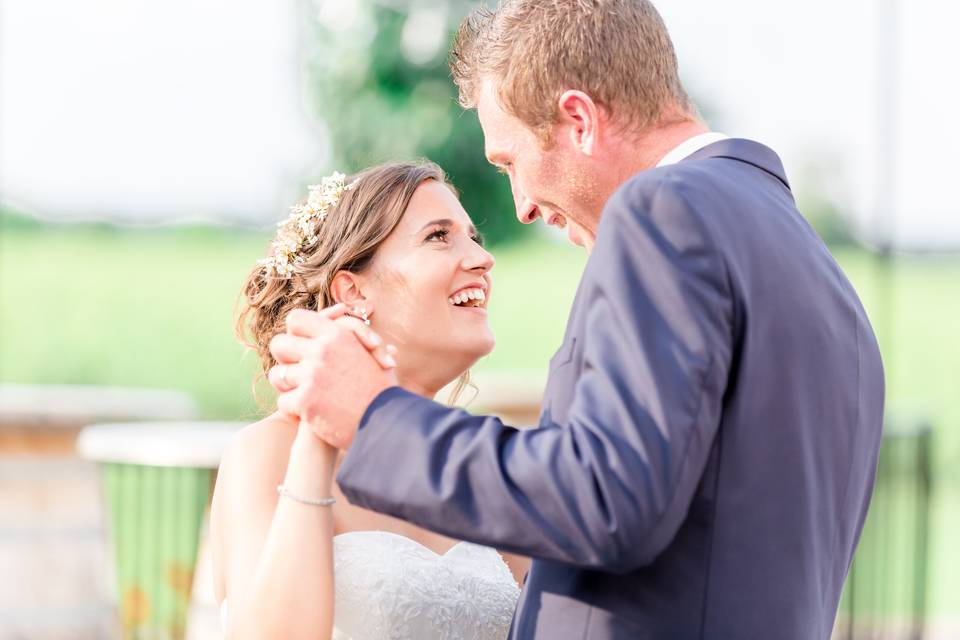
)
(709, 434)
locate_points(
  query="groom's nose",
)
(527, 211)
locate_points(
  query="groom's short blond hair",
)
(616, 51)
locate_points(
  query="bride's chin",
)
(471, 354)
(483, 348)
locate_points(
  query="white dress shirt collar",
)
(690, 146)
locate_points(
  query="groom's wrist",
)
(378, 401)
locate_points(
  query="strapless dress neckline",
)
(391, 587)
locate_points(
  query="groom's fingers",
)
(369, 339)
(334, 312)
(310, 324)
(303, 326)
(289, 349)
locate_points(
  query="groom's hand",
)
(329, 369)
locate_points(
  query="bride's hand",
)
(322, 454)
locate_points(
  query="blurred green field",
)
(100, 305)
(90, 304)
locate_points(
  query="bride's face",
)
(429, 285)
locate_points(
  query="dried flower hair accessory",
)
(301, 228)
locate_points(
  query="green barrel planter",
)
(155, 519)
(157, 482)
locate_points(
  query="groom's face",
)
(548, 181)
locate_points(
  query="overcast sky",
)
(809, 79)
(146, 110)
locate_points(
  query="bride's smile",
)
(427, 290)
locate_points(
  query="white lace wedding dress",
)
(390, 587)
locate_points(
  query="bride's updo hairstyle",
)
(347, 238)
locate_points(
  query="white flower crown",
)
(300, 229)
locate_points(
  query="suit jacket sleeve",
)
(609, 486)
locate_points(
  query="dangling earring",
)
(362, 312)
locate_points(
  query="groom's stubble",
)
(639, 107)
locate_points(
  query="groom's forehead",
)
(499, 128)
(489, 111)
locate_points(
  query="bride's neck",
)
(428, 391)
(427, 373)
(425, 381)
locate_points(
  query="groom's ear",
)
(345, 288)
(581, 117)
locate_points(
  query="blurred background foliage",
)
(378, 77)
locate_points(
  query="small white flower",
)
(301, 228)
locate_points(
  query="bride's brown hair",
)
(347, 240)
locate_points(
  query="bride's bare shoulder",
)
(273, 432)
(259, 450)
(253, 463)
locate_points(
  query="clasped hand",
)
(330, 367)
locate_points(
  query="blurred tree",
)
(378, 75)
(826, 218)
(818, 185)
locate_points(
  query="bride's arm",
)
(273, 557)
(519, 566)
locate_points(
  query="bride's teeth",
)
(466, 296)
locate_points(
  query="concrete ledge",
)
(69, 405)
(164, 444)
(45, 419)
(513, 396)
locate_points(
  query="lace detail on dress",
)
(390, 587)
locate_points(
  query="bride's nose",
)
(478, 260)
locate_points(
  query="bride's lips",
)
(479, 310)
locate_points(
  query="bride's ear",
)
(346, 288)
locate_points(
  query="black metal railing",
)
(885, 597)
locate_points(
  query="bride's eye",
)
(439, 234)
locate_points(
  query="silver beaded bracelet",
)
(321, 502)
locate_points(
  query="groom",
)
(710, 428)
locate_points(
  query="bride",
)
(290, 555)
